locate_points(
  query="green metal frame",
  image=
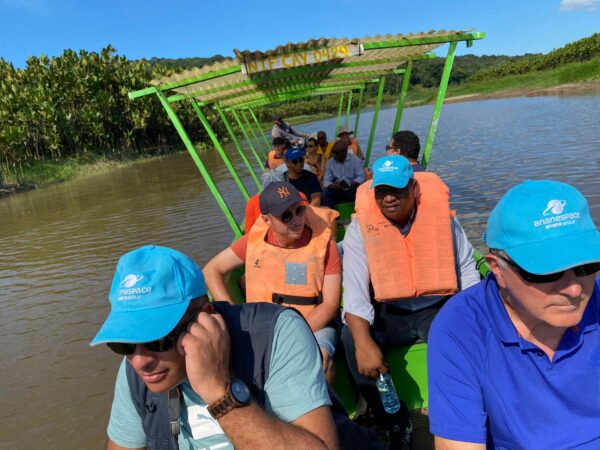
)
(259, 143)
(262, 132)
(439, 103)
(339, 114)
(237, 231)
(374, 122)
(235, 141)
(219, 148)
(358, 110)
(245, 133)
(348, 107)
(402, 98)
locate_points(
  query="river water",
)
(59, 245)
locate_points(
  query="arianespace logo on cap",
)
(387, 166)
(554, 217)
(128, 290)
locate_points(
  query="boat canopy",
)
(293, 71)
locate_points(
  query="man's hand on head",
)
(206, 348)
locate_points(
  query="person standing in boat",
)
(405, 253)
(343, 174)
(406, 143)
(306, 182)
(514, 361)
(290, 259)
(284, 130)
(197, 374)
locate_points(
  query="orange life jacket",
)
(274, 163)
(353, 146)
(420, 264)
(289, 276)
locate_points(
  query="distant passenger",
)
(199, 374)
(313, 158)
(306, 182)
(406, 143)
(404, 254)
(343, 174)
(323, 145)
(345, 134)
(275, 157)
(514, 361)
(290, 259)
(284, 130)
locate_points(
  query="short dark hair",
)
(339, 145)
(282, 141)
(408, 143)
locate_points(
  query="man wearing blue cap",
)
(302, 179)
(514, 361)
(208, 375)
(404, 254)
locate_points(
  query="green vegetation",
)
(63, 113)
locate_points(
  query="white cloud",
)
(578, 5)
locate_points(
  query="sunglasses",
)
(160, 345)
(297, 161)
(310, 145)
(580, 271)
(287, 216)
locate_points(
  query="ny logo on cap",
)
(283, 192)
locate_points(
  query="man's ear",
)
(266, 218)
(492, 261)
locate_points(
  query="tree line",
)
(76, 104)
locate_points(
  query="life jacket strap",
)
(295, 299)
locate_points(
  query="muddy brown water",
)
(59, 245)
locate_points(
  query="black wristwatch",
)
(236, 396)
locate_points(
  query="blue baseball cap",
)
(150, 292)
(392, 170)
(544, 226)
(294, 153)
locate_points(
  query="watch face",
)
(240, 391)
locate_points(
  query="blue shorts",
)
(327, 339)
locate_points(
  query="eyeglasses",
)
(287, 216)
(310, 145)
(160, 345)
(580, 271)
(297, 161)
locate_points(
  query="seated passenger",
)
(406, 143)
(306, 182)
(345, 134)
(343, 174)
(314, 159)
(323, 145)
(252, 207)
(404, 254)
(275, 157)
(290, 259)
(514, 362)
(196, 374)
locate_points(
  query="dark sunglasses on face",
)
(297, 161)
(310, 145)
(580, 271)
(287, 216)
(160, 345)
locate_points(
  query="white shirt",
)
(356, 278)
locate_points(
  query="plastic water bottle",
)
(387, 392)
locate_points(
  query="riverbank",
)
(42, 174)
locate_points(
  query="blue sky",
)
(186, 28)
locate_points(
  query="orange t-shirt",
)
(333, 264)
(253, 211)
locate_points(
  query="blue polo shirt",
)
(488, 385)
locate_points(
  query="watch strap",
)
(222, 406)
